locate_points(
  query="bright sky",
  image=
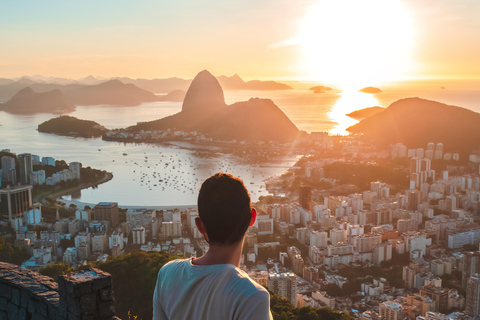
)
(259, 39)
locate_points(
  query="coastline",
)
(51, 196)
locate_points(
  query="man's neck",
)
(221, 255)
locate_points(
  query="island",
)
(71, 126)
(365, 113)
(320, 89)
(371, 90)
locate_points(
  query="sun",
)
(355, 43)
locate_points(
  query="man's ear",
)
(254, 217)
(201, 228)
(200, 225)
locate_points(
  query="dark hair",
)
(224, 207)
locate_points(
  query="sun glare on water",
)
(354, 43)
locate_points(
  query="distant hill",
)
(236, 83)
(112, 92)
(4, 81)
(89, 80)
(7, 91)
(204, 110)
(318, 89)
(159, 85)
(371, 90)
(266, 85)
(71, 126)
(416, 121)
(365, 113)
(174, 96)
(27, 101)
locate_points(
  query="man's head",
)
(224, 209)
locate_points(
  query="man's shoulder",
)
(174, 264)
(247, 284)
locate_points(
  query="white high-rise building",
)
(472, 303)
(171, 229)
(318, 239)
(138, 235)
(75, 167)
(391, 310)
(33, 216)
(285, 285)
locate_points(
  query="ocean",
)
(171, 174)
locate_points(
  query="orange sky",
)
(262, 39)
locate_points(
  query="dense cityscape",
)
(380, 252)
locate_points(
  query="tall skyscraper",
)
(305, 197)
(26, 167)
(8, 164)
(14, 201)
(75, 168)
(472, 303)
(107, 211)
(285, 285)
(470, 265)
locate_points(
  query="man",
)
(212, 286)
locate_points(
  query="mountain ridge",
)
(416, 121)
(27, 101)
(204, 110)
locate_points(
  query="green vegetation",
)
(361, 174)
(71, 126)
(55, 270)
(282, 309)
(393, 275)
(134, 277)
(8, 251)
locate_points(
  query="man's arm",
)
(158, 312)
(255, 307)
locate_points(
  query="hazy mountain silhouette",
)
(415, 122)
(112, 92)
(236, 83)
(174, 96)
(27, 101)
(205, 95)
(231, 83)
(71, 126)
(365, 113)
(204, 110)
(27, 80)
(9, 90)
(158, 85)
(4, 81)
(318, 89)
(371, 90)
(89, 80)
(227, 83)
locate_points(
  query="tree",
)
(55, 270)
(10, 253)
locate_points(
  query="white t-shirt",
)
(219, 291)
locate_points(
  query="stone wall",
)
(82, 295)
